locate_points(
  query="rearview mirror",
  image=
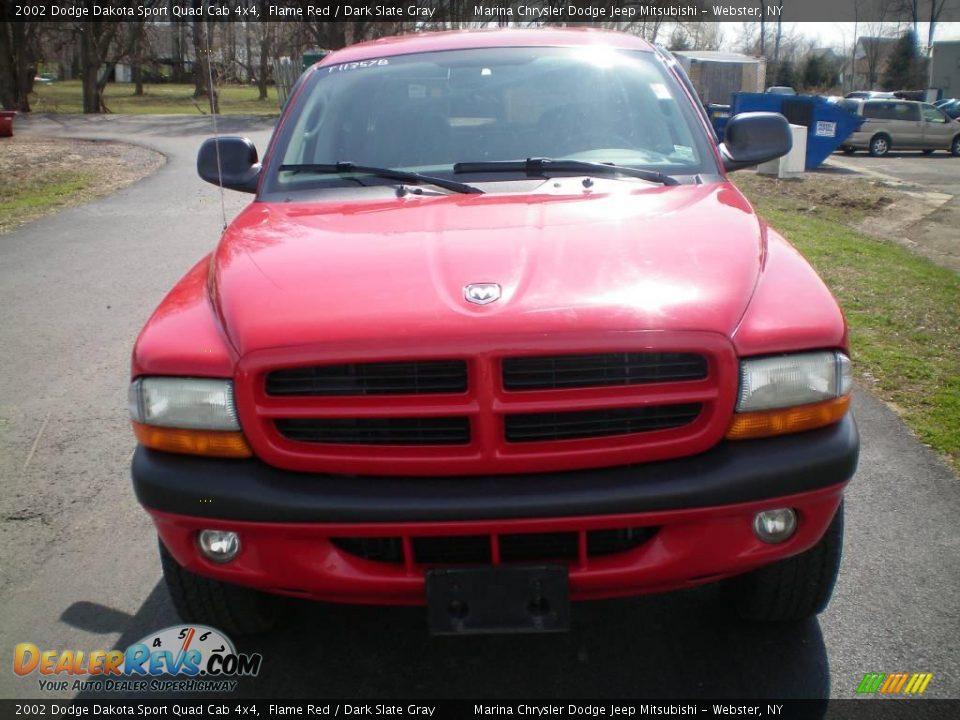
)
(755, 137)
(236, 163)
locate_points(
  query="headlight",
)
(188, 403)
(790, 393)
(788, 380)
(196, 416)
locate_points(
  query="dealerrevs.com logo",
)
(894, 683)
(180, 658)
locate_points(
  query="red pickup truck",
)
(495, 334)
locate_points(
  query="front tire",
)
(879, 146)
(794, 589)
(235, 610)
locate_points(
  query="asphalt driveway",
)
(78, 564)
(936, 178)
(939, 171)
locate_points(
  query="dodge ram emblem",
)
(481, 293)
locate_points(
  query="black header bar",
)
(431, 13)
(916, 708)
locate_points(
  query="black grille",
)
(535, 427)
(418, 377)
(470, 549)
(378, 431)
(380, 549)
(573, 371)
(476, 550)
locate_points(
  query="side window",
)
(931, 114)
(875, 111)
(906, 111)
(850, 106)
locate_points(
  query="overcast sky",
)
(833, 34)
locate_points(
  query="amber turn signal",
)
(749, 425)
(212, 443)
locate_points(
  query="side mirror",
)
(753, 138)
(239, 165)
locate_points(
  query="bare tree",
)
(203, 66)
(138, 53)
(19, 57)
(857, 4)
(704, 35)
(911, 10)
(763, 33)
(265, 34)
(935, 11)
(102, 46)
(872, 40)
(779, 35)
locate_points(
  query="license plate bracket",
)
(498, 599)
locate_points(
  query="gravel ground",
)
(102, 167)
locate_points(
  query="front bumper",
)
(701, 507)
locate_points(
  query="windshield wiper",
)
(347, 168)
(543, 167)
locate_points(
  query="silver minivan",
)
(893, 124)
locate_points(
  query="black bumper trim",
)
(730, 473)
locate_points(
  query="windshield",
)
(426, 112)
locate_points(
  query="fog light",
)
(219, 545)
(775, 526)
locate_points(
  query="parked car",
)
(868, 94)
(944, 101)
(781, 90)
(497, 333)
(901, 125)
(952, 109)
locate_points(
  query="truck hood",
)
(619, 257)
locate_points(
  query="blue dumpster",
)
(828, 125)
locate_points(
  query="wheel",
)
(928, 152)
(955, 147)
(793, 589)
(235, 610)
(848, 149)
(879, 145)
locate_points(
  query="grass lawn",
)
(39, 194)
(167, 98)
(903, 310)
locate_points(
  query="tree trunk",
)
(136, 58)
(177, 74)
(8, 83)
(91, 96)
(19, 53)
(248, 58)
(776, 42)
(763, 30)
(265, 49)
(935, 10)
(202, 69)
(90, 71)
(199, 68)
